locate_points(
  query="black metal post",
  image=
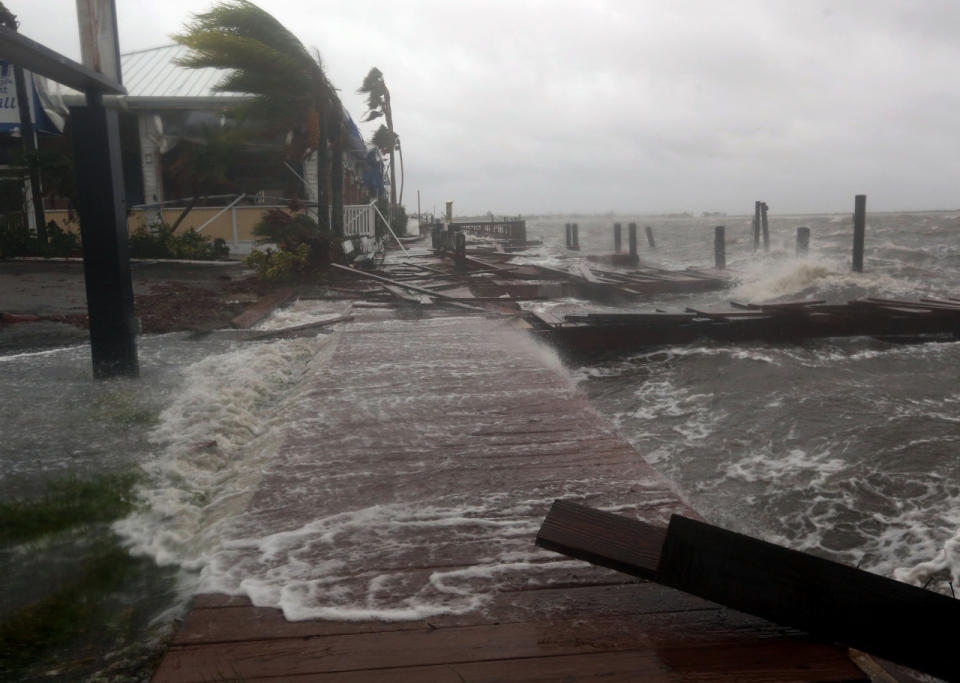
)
(617, 238)
(103, 229)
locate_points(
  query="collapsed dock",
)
(586, 333)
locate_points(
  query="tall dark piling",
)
(765, 226)
(756, 226)
(617, 238)
(650, 241)
(803, 241)
(103, 232)
(574, 236)
(859, 230)
(719, 247)
(460, 250)
(568, 231)
(632, 243)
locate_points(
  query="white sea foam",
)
(204, 470)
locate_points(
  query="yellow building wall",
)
(222, 226)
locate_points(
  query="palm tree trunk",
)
(388, 115)
(402, 174)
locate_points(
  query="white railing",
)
(359, 220)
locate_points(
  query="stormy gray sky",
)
(550, 106)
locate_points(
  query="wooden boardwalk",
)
(396, 525)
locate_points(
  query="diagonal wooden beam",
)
(31, 55)
(886, 618)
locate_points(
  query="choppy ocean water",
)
(846, 448)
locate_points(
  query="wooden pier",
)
(464, 420)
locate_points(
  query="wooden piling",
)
(859, 230)
(650, 241)
(574, 236)
(764, 226)
(719, 247)
(568, 230)
(803, 241)
(756, 226)
(460, 250)
(632, 242)
(617, 238)
(103, 231)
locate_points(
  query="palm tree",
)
(267, 61)
(386, 139)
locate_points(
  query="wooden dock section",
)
(411, 476)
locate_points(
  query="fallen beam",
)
(443, 298)
(261, 309)
(880, 616)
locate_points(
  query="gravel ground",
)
(169, 296)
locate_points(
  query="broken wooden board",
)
(261, 309)
(880, 616)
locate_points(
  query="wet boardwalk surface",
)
(391, 535)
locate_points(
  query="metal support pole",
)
(632, 243)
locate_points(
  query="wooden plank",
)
(298, 330)
(261, 309)
(409, 298)
(875, 614)
(602, 538)
(682, 641)
(379, 278)
(763, 662)
(218, 618)
(31, 55)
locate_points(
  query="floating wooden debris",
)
(592, 333)
(880, 616)
(261, 309)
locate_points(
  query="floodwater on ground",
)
(846, 448)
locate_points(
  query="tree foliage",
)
(264, 59)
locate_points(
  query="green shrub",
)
(161, 242)
(280, 265)
(15, 240)
(61, 242)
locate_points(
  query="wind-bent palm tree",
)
(386, 139)
(267, 61)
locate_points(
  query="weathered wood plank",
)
(261, 309)
(602, 538)
(683, 641)
(875, 614)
